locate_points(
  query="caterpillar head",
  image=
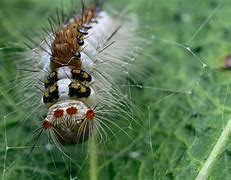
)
(69, 122)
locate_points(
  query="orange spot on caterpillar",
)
(47, 124)
(58, 113)
(90, 114)
(71, 111)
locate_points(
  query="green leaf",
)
(182, 120)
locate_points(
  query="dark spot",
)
(177, 17)
(191, 129)
(51, 79)
(170, 175)
(80, 41)
(208, 130)
(51, 95)
(77, 55)
(79, 90)
(197, 49)
(81, 75)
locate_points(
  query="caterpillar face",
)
(70, 121)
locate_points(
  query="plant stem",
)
(93, 160)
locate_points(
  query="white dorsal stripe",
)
(64, 72)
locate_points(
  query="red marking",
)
(47, 124)
(90, 114)
(58, 113)
(71, 111)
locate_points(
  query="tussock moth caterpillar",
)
(67, 85)
(72, 76)
(173, 51)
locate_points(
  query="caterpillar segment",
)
(69, 119)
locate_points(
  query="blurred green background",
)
(182, 106)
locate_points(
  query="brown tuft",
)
(65, 45)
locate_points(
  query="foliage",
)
(182, 118)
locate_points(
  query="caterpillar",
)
(69, 89)
(77, 67)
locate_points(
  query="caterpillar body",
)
(80, 63)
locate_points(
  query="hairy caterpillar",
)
(77, 67)
(172, 98)
(69, 88)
